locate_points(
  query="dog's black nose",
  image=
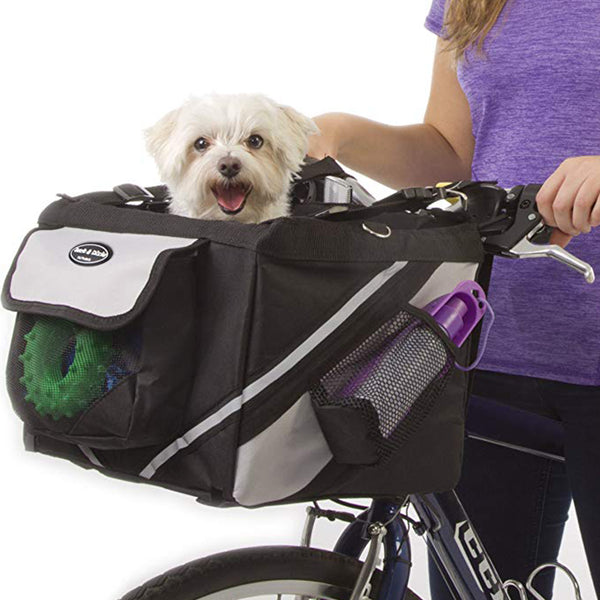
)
(229, 166)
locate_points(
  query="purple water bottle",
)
(459, 312)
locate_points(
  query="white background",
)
(80, 81)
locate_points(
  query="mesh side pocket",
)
(58, 370)
(376, 397)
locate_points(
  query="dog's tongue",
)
(232, 197)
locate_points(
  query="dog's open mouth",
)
(231, 198)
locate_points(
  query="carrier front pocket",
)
(376, 397)
(103, 347)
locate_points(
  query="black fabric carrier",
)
(244, 364)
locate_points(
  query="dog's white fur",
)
(227, 122)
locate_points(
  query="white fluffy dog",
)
(230, 156)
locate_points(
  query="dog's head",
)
(230, 156)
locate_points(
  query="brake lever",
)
(527, 249)
(511, 225)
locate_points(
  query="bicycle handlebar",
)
(509, 221)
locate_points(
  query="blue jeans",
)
(519, 503)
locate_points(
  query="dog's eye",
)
(201, 144)
(255, 141)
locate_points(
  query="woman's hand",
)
(569, 200)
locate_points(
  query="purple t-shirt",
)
(535, 100)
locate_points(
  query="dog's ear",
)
(298, 121)
(158, 135)
(157, 143)
(294, 142)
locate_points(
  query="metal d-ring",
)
(558, 567)
(513, 583)
(377, 234)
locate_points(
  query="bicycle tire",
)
(258, 572)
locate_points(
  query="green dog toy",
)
(53, 391)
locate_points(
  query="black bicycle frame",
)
(451, 540)
(456, 548)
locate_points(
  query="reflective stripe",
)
(276, 372)
(89, 454)
(323, 332)
(190, 436)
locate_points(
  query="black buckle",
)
(419, 193)
(136, 196)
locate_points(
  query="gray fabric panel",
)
(282, 459)
(276, 372)
(44, 273)
(443, 280)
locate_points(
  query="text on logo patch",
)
(90, 254)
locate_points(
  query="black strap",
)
(127, 193)
(411, 199)
(155, 198)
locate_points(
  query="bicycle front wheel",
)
(276, 572)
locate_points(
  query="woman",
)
(515, 96)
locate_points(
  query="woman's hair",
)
(468, 22)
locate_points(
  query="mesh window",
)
(58, 369)
(392, 378)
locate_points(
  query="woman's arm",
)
(439, 149)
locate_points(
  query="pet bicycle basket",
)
(244, 364)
